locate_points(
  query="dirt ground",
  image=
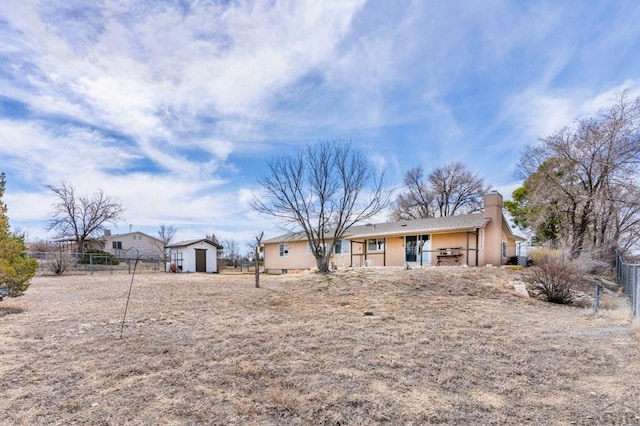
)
(361, 346)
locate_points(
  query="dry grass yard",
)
(439, 345)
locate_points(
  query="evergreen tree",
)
(16, 269)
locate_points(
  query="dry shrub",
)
(544, 254)
(555, 277)
(59, 261)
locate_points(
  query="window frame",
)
(345, 247)
(379, 244)
(283, 249)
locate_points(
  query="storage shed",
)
(193, 256)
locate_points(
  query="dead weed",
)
(440, 345)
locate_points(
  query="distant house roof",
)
(115, 236)
(191, 242)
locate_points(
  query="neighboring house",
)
(475, 239)
(194, 256)
(125, 245)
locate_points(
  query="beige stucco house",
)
(475, 239)
(146, 245)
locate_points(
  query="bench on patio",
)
(449, 255)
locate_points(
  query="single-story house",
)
(194, 256)
(124, 245)
(475, 239)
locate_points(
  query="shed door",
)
(201, 260)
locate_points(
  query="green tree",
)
(16, 268)
(542, 219)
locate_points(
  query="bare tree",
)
(232, 252)
(82, 217)
(166, 234)
(418, 200)
(585, 180)
(323, 190)
(212, 237)
(457, 189)
(448, 190)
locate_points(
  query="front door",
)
(411, 249)
(201, 260)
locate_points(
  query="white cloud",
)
(156, 101)
(541, 113)
(60, 153)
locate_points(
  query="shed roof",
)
(191, 242)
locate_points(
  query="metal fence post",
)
(636, 292)
(628, 287)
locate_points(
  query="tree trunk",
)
(323, 264)
(257, 273)
(257, 255)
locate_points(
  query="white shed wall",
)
(188, 255)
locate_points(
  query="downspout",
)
(364, 250)
(467, 255)
(477, 245)
(351, 253)
(384, 253)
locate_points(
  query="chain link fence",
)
(62, 262)
(628, 276)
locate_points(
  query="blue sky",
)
(174, 106)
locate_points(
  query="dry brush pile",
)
(360, 346)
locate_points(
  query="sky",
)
(175, 107)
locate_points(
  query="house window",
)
(341, 247)
(375, 244)
(504, 249)
(310, 248)
(481, 239)
(116, 245)
(284, 250)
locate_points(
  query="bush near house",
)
(555, 276)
